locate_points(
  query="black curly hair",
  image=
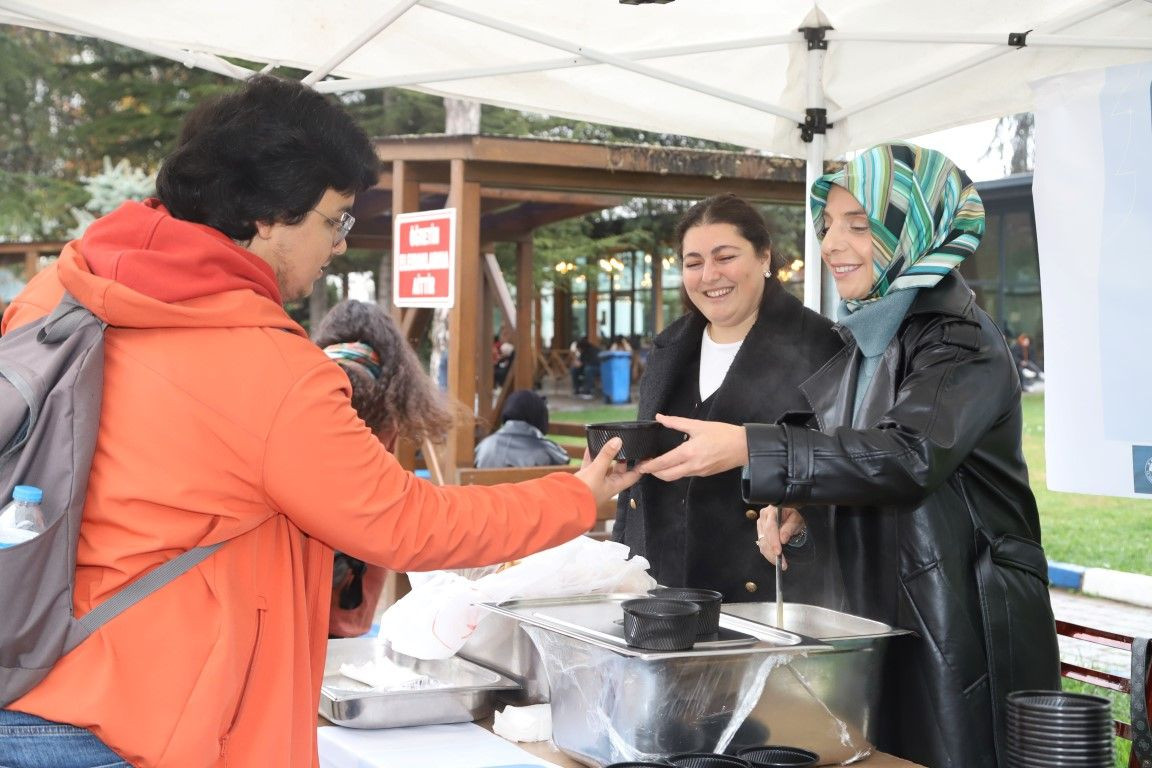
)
(267, 151)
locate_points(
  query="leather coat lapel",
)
(831, 389)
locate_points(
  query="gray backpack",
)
(51, 383)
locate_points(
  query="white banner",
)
(1093, 198)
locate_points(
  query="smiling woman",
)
(742, 349)
(915, 437)
(846, 244)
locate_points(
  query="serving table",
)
(546, 750)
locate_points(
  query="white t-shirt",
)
(715, 360)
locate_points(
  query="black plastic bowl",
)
(636, 764)
(660, 625)
(642, 439)
(707, 760)
(778, 757)
(708, 622)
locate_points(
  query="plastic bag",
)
(440, 613)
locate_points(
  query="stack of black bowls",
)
(1055, 729)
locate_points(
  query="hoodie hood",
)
(138, 267)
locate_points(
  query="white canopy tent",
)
(792, 77)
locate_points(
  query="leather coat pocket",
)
(947, 620)
(1019, 630)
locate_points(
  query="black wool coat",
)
(709, 540)
(936, 524)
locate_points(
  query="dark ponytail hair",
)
(727, 209)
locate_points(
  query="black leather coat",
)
(706, 536)
(937, 528)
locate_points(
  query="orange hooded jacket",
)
(221, 420)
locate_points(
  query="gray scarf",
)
(873, 325)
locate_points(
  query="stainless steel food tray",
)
(463, 690)
(593, 619)
(823, 624)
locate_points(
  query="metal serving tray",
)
(462, 691)
(593, 619)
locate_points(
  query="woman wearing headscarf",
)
(917, 443)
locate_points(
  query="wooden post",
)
(464, 321)
(525, 337)
(484, 367)
(405, 199)
(591, 321)
(657, 293)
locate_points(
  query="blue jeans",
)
(27, 741)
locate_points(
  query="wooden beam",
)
(525, 363)
(500, 290)
(634, 183)
(617, 158)
(464, 320)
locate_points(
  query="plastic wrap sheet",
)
(607, 707)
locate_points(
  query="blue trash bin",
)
(616, 376)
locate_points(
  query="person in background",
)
(395, 397)
(917, 441)
(619, 344)
(221, 422)
(503, 363)
(742, 348)
(520, 441)
(1030, 373)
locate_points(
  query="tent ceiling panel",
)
(717, 70)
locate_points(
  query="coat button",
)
(752, 514)
(750, 586)
(632, 503)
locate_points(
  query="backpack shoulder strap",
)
(143, 586)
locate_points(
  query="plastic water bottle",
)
(22, 519)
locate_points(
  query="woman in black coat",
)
(737, 355)
(918, 445)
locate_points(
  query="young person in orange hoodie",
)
(222, 421)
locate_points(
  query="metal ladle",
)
(779, 571)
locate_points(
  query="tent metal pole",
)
(70, 25)
(471, 73)
(612, 60)
(359, 41)
(813, 169)
(1087, 11)
(1035, 40)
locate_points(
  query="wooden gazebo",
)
(505, 188)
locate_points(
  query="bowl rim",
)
(636, 424)
(673, 609)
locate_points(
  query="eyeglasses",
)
(343, 226)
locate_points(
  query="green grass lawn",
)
(1093, 531)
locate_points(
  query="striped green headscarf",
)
(926, 215)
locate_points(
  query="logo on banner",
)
(424, 259)
(1142, 468)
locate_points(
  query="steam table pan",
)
(460, 691)
(596, 620)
